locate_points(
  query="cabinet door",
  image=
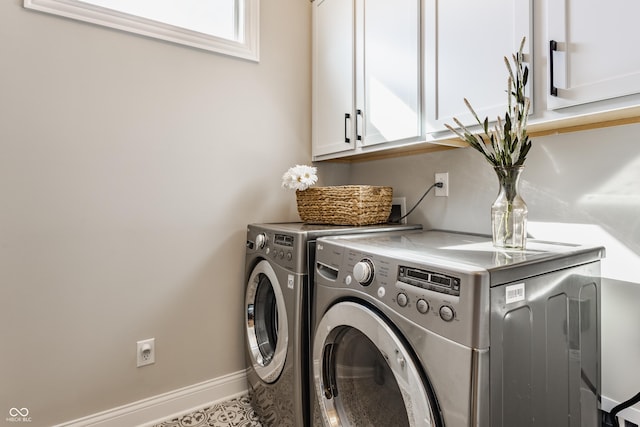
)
(388, 77)
(333, 75)
(596, 57)
(465, 43)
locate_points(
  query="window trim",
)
(246, 47)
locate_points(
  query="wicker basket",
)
(345, 204)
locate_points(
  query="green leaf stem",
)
(507, 144)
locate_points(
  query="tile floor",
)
(232, 413)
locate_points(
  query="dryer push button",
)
(422, 306)
(402, 299)
(446, 313)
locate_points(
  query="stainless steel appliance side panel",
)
(545, 350)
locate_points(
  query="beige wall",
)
(129, 168)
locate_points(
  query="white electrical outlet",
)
(442, 177)
(146, 352)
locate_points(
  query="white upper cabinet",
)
(465, 43)
(388, 71)
(366, 74)
(596, 45)
(390, 74)
(333, 76)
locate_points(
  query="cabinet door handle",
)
(358, 136)
(553, 46)
(347, 117)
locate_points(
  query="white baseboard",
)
(156, 409)
(630, 414)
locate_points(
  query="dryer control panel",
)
(443, 298)
(430, 280)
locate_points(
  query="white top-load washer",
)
(434, 328)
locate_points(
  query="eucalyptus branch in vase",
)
(505, 146)
(507, 143)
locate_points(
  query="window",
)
(225, 26)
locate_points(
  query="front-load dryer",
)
(277, 310)
(441, 329)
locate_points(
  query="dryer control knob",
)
(261, 240)
(363, 272)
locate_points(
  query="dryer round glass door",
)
(364, 374)
(266, 322)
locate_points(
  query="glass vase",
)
(509, 211)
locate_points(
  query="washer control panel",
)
(283, 246)
(279, 247)
(425, 279)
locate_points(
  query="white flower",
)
(299, 177)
